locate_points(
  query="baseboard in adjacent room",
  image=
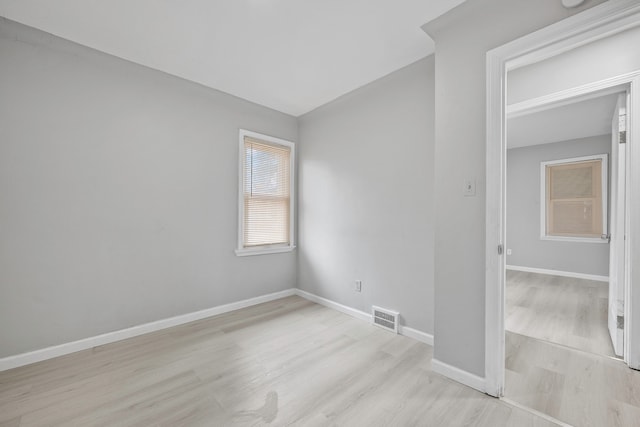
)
(457, 374)
(559, 273)
(358, 314)
(15, 361)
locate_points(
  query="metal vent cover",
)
(384, 318)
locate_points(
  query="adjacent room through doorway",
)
(558, 221)
(566, 278)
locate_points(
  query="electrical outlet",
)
(357, 286)
(508, 251)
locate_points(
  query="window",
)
(266, 194)
(574, 199)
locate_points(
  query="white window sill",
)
(575, 239)
(264, 250)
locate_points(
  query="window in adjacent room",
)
(266, 194)
(574, 199)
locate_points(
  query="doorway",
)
(565, 202)
(596, 24)
(565, 195)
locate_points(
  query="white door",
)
(617, 247)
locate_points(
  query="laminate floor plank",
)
(577, 381)
(563, 310)
(285, 362)
(576, 387)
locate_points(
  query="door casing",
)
(617, 249)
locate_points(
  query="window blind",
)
(267, 195)
(574, 199)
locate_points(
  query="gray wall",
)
(523, 211)
(366, 196)
(618, 54)
(463, 36)
(118, 194)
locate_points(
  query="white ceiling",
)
(290, 55)
(581, 119)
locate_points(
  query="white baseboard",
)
(416, 334)
(402, 330)
(15, 361)
(457, 374)
(86, 343)
(559, 273)
(334, 305)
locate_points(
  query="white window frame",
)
(605, 199)
(265, 249)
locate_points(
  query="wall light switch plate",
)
(509, 252)
(469, 187)
(357, 286)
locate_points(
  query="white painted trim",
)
(18, 360)
(604, 181)
(456, 374)
(416, 334)
(402, 330)
(559, 273)
(334, 305)
(15, 361)
(580, 93)
(576, 239)
(632, 303)
(267, 249)
(264, 251)
(603, 20)
(495, 226)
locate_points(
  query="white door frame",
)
(618, 245)
(601, 21)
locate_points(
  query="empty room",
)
(312, 213)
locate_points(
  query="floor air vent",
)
(387, 319)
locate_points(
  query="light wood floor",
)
(563, 310)
(558, 352)
(579, 388)
(287, 362)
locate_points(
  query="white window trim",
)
(605, 199)
(265, 249)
